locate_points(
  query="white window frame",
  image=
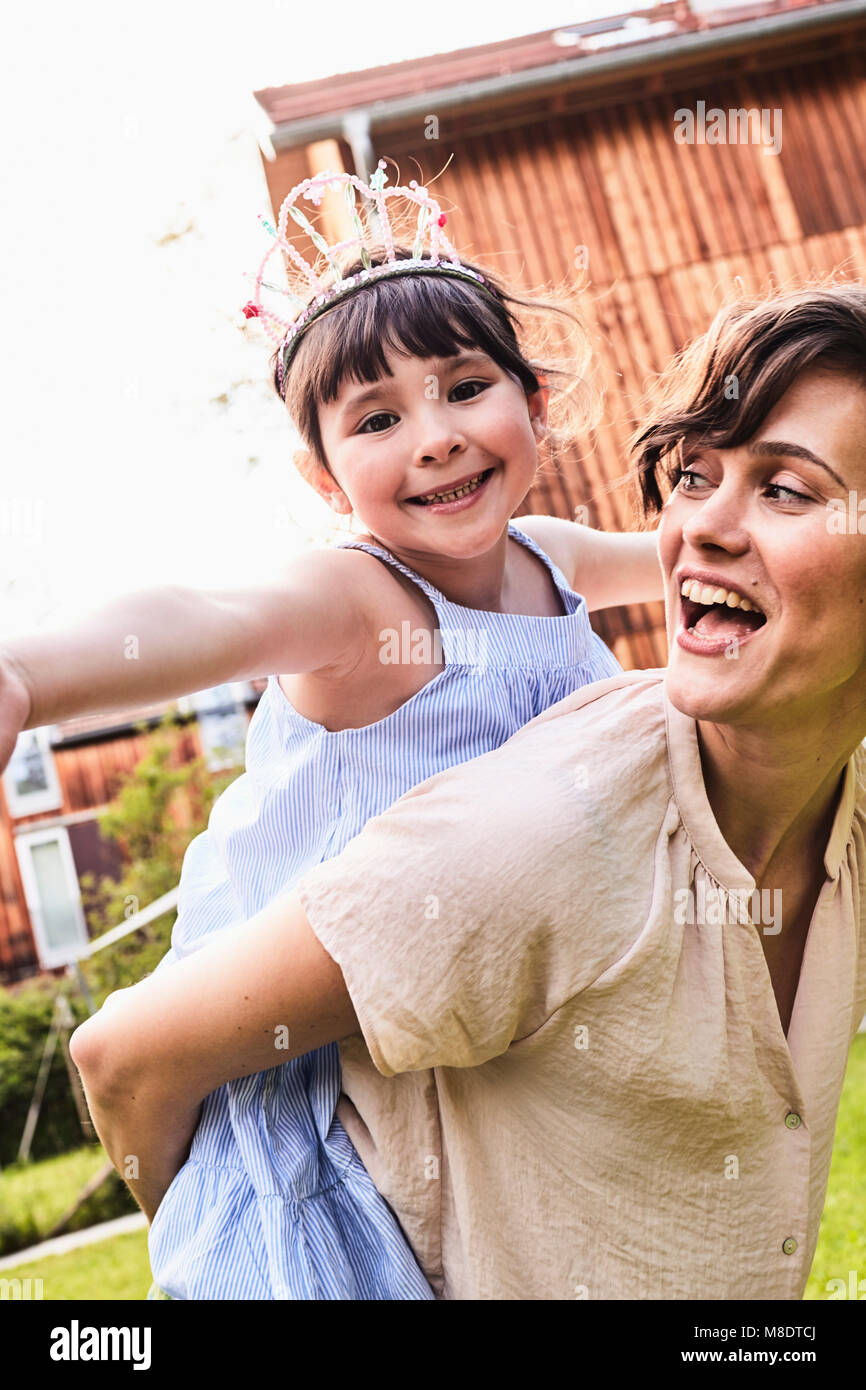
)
(50, 957)
(34, 803)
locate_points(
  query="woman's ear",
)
(538, 402)
(314, 472)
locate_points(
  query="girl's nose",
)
(436, 444)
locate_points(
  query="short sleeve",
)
(475, 906)
(435, 915)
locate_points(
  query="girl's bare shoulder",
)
(367, 688)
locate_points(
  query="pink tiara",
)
(327, 284)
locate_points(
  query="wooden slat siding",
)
(842, 204)
(549, 213)
(808, 190)
(675, 190)
(734, 165)
(17, 948)
(507, 184)
(850, 102)
(848, 163)
(585, 482)
(649, 134)
(778, 218)
(653, 151)
(606, 259)
(629, 233)
(852, 159)
(701, 178)
(833, 208)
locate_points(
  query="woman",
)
(579, 1058)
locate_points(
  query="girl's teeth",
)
(452, 496)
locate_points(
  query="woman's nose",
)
(719, 521)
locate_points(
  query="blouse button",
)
(789, 1245)
(792, 1120)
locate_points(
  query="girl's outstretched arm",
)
(258, 995)
(159, 643)
(607, 567)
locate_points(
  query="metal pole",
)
(39, 1089)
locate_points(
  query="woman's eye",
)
(785, 494)
(684, 477)
(371, 420)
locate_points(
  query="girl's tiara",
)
(327, 285)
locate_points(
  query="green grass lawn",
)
(842, 1242)
(115, 1268)
(118, 1268)
(34, 1196)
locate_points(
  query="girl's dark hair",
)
(720, 389)
(429, 316)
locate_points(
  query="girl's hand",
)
(15, 705)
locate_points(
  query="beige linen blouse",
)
(573, 1080)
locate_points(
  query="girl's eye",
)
(371, 420)
(373, 424)
(482, 386)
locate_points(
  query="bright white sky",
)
(131, 185)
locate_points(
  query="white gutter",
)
(572, 71)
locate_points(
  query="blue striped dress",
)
(273, 1201)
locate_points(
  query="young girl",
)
(426, 642)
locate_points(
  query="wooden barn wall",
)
(667, 228)
(89, 776)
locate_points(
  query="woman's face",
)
(769, 521)
(429, 428)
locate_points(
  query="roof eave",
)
(327, 125)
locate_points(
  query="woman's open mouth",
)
(455, 498)
(714, 617)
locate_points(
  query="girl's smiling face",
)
(758, 522)
(433, 426)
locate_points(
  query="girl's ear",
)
(314, 472)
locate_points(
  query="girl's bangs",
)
(421, 316)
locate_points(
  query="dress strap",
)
(435, 596)
(449, 620)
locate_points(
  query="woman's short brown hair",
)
(721, 388)
(434, 316)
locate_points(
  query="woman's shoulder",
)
(600, 739)
(610, 703)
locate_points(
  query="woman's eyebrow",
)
(794, 451)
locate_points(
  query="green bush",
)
(159, 808)
(25, 1018)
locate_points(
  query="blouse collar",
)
(708, 842)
